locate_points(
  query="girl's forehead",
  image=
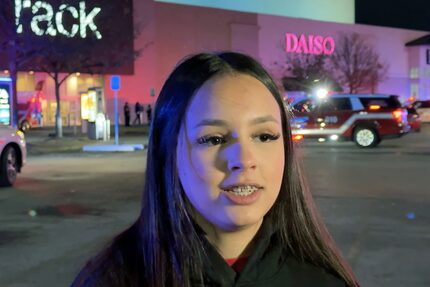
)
(232, 93)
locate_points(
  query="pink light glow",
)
(311, 44)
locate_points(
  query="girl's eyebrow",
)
(222, 123)
(211, 122)
(263, 119)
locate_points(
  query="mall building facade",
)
(170, 31)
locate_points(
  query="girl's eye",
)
(211, 140)
(268, 137)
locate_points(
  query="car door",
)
(333, 115)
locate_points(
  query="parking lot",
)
(66, 205)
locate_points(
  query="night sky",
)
(408, 14)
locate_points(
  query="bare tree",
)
(304, 71)
(356, 65)
(17, 50)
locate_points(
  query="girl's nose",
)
(240, 157)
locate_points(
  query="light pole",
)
(115, 85)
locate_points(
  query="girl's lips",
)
(243, 200)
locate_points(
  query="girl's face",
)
(230, 155)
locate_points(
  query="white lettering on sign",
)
(311, 44)
(59, 20)
(43, 13)
(330, 119)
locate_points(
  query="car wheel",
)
(8, 166)
(25, 125)
(366, 137)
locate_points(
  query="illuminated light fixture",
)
(297, 137)
(31, 72)
(334, 137)
(84, 106)
(321, 140)
(78, 74)
(397, 113)
(374, 107)
(6, 71)
(320, 120)
(411, 99)
(322, 125)
(321, 93)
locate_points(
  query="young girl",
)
(224, 202)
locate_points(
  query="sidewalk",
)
(41, 141)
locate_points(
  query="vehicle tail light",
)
(399, 115)
(297, 138)
(374, 107)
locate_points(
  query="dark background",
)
(408, 14)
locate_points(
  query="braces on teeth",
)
(243, 190)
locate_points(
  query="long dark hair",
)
(164, 247)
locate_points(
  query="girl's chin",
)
(238, 222)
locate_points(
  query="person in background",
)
(149, 114)
(141, 110)
(137, 110)
(224, 202)
(127, 114)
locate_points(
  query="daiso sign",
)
(309, 44)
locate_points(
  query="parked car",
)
(423, 109)
(414, 119)
(365, 119)
(13, 154)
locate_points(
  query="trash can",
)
(97, 129)
(91, 130)
(107, 130)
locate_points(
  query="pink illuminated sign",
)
(309, 44)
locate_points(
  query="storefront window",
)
(414, 90)
(413, 73)
(26, 81)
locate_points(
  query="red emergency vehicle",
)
(365, 119)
